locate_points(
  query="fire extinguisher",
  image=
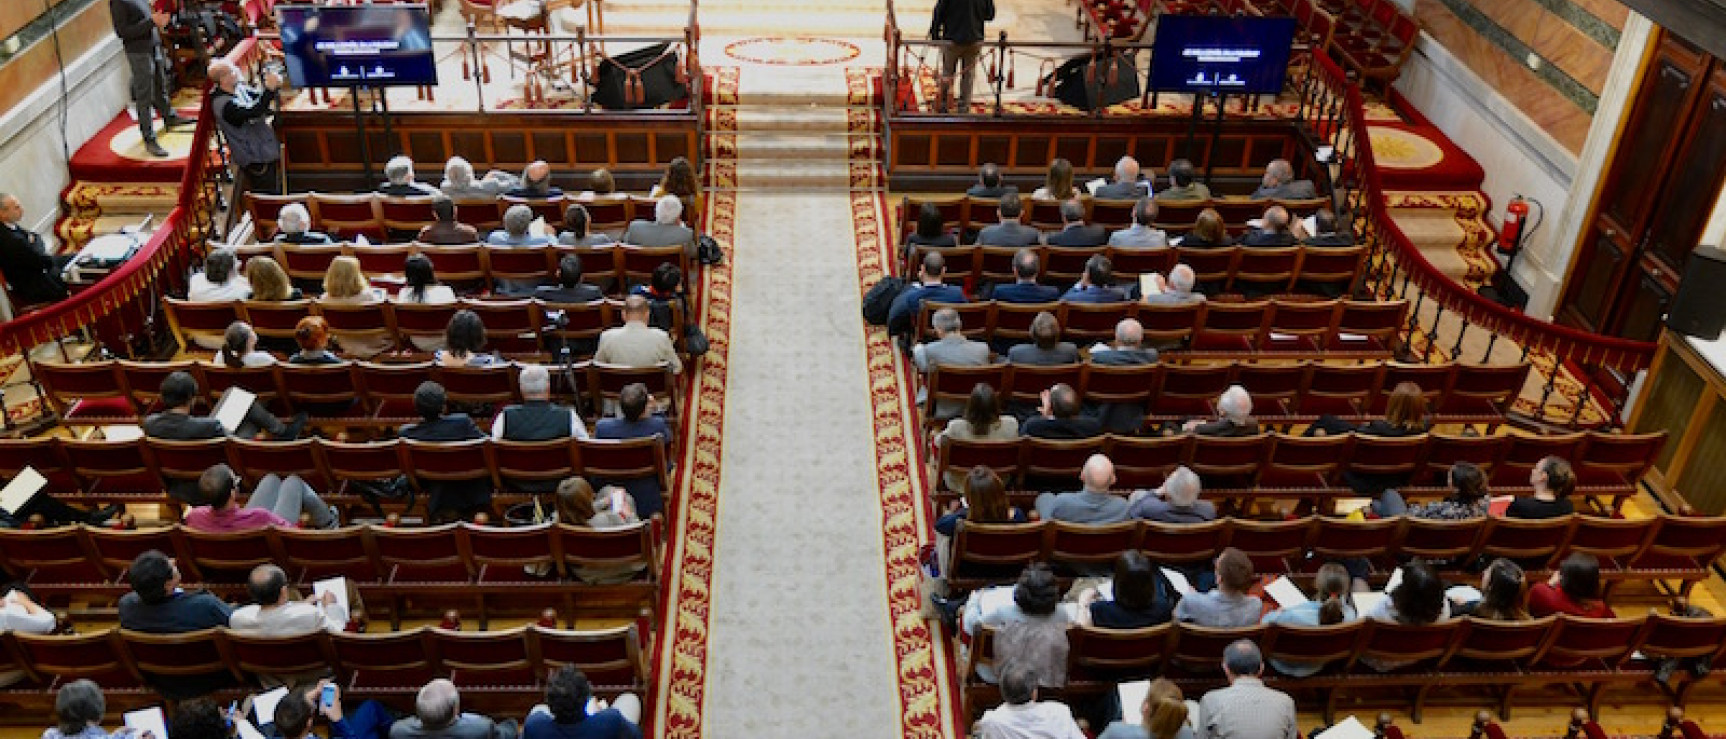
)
(1511, 232)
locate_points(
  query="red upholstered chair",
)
(636, 545)
(612, 659)
(1273, 546)
(1190, 390)
(1233, 327)
(382, 260)
(1336, 539)
(143, 379)
(1088, 547)
(1522, 453)
(1367, 325)
(1305, 461)
(320, 388)
(403, 217)
(1089, 323)
(97, 656)
(1298, 325)
(265, 208)
(1341, 390)
(1231, 461)
(523, 264)
(1186, 543)
(186, 653)
(1438, 540)
(953, 384)
(1199, 650)
(987, 553)
(310, 262)
(191, 322)
(493, 660)
(347, 217)
(81, 393)
(1684, 549)
(1054, 464)
(390, 389)
(1331, 270)
(1316, 646)
(1098, 657)
(55, 556)
(300, 654)
(1444, 450)
(365, 462)
(544, 462)
(112, 470)
(227, 558)
(1065, 265)
(463, 268)
(419, 559)
(312, 555)
(1013, 320)
(1267, 270)
(1143, 461)
(1273, 387)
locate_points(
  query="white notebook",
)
(148, 721)
(231, 412)
(337, 585)
(21, 490)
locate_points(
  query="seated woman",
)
(982, 420)
(1163, 715)
(312, 334)
(679, 180)
(1227, 605)
(1574, 589)
(464, 338)
(1141, 596)
(1405, 414)
(269, 281)
(575, 233)
(1417, 601)
(1553, 482)
(1468, 498)
(240, 348)
(985, 501)
(1503, 594)
(1208, 230)
(929, 230)
(1034, 601)
(1058, 184)
(422, 287)
(345, 284)
(664, 288)
(1331, 604)
(577, 505)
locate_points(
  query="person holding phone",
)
(298, 711)
(242, 111)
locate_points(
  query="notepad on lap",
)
(231, 412)
(150, 720)
(1498, 504)
(122, 432)
(337, 585)
(21, 490)
(1285, 592)
(1095, 185)
(1394, 581)
(247, 730)
(1348, 728)
(1132, 696)
(1179, 580)
(264, 704)
(1365, 603)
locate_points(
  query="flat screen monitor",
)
(1236, 55)
(357, 45)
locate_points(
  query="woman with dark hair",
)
(1502, 594)
(1031, 623)
(1405, 414)
(575, 233)
(240, 348)
(312, 334)
(1330, 604)
(985, 501)
(930, 231)
(981, 420)
(612, 507)
(1553, 482)
(1208, 230)
(220, 281)
(1058, 185)
(1419, 600)
(1468, 498)
(1140, 596)
(422, 285)
(680, 180)
(464, 340)
(1574, 589)
(1163, 715)
(663, 289)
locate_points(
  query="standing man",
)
(33, 274)
(960, 24)
(138, 27)
(242, 111)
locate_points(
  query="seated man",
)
(1324, 222)
(637, 419)
(292, 224)
(1127, 184)
(1183, 183)
(1279, 183)
(1177, 501)
(1098, 284)
(1093, 503)
(988, 183)
(459, 182)
(1060, 417)
(1235, 416)
(275, 502)
(1273, 229)
(1141, 233)
(635, 343)
(569, 287)
(564, 714)
(537, 419)
(1008, 231)
(1022, 716)
(931, 286)
(1177, 289)
(1074, 231)
(446, 229)
(1246, 709)
(273, 614)
(1128, 350)
(158, 605)
(296, 710)
(1046, 348)
(516, 222)
(666, 228)
(400, 182)
(177, 423)
(950, 348)
(438, 715)
(1026, 266)
(448, 497)
(535, 182)
(33, 274)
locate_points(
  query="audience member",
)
(535, 183)
(459, 182)
(55, 512)
(1330, 604)
(1022, 716)
(448, 497)
(1324, 223)
(931, 230)
(1273, 229)
(438, 715)
(1034, 602)
(1468, 498)
(1097, 285)
(517, 221)
(78, 710)
(601, 186)
(1141, 234)
(220, 281)
(1026, 266)
(1574, 588)
(931, 286)
(1183, 183)
(637, 418)
(175, 422)
(312, 333)
(1127, 351)
(982, 420)
(564, 714)
(984, 500)
(635, 343)
(1163, 715)
(575, 228)
(1060, 418)
(666, 228)
(1503, 594)
(201, 719)
(1208, 230)
(1141, 598)
(1008, 230)
(446, 230)
(537, 418)
(422, 285)
(569, 287)
(240, 348)
(664, 292)
(296, 710)
(1419, 599)
(464, 343)
(1227, 605)
(1234, 416)
(158, 605)
(1246, 709)
(1058, 185)
(400, 181)
(293, 226)
(273, 502)
(1177, 501)
(33, 274)
(988, 183)
(345, 283)
(1074, 231)
(1553, 481)
(21, 614)
(679, 179)
(1093, 503)
(1046, 348)
(1127, 185)
(273, 613)
(1279, 183)
(269, 281)
(613, 507)
(950, 348)
(1177, 289)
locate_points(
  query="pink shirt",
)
(205, 518)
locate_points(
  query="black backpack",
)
(878, 302)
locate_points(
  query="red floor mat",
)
(116, 154)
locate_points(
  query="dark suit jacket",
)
(1078, 427)
(1010, 233)
(448, 232)
(582, 293)
(452, 495)
(1119, 191)
(1258, 237)
(1122, 418)
(27, 266)
(1094, 294)
(1330, 239)
(304, 237)
(960, 21)
(1225, 427)
(916, 239)
(408, 190)
(1026, 292)
(182, 427)
(979, 191)
(906, 306)
(1084, 235)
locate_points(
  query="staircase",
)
(794, 129)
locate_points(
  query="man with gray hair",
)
(1141, 234)
(516, 222)
(537, 419)
(1246, 709)
(1177, 289)
(400, 182)
(666, 228)
(536, 182)
(1093, 503)
(438, 715)
(1235, 416)
(1022, 716)
(1177, 501)
(1128, 350)
(242, 112)
(949, 348)
(293, 226)
(1273, 229)
(1074, 231)
(459, 182)
(1279, 183)
(1127, 185)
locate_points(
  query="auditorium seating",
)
(1373, 37)
(498, 672)
(1330, 270)
(375, 216)
(967, 215)
(1585, 655)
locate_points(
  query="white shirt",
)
(435, 295)
(1035, 720)
(294, 619)
(202, 290)
(13, 617)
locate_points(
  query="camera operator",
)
(139, 27)
(243, 112)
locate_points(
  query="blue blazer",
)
(1094, 294)
(905, 307)
(1023, 292)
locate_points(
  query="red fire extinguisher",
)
(1510, 232)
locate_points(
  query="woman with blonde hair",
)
(1208, 230)
(1163, 716)
(1058, 185)
(344, 282)
(269, 281)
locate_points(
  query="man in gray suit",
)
(1128, 350)
(1140, 233)
(1246, 709)
(1177, 289)
(438, 715)
(950, 347)
(1127, 185)
(1279, 184)
(1009, 232)
(666, 228)
(1092, 504)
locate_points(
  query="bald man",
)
(536, 182)
(636, 344)
(33, 274)
(242, 112)
(1127, 184)
(1093, 503)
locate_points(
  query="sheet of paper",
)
(1285, 592)
(1348, 728)
(246, 730)
(1345, 506)
(1179, 580)
(1310, 223)
(1365, 603)
(1106, 591)
(1095, 184)
(538, 227)
(231, 412)
(360, 240)
(1132, 697)
(264, 704)
(337, 585)
(149, 720)
(1176, 241)
(1394, 581)
(1462, 594)
(123, 432)
(21, 489)
(1148, 284)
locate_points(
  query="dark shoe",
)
(154, 148)
(101, 516)
(294, 428)
(174, 120)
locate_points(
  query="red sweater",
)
(1544, 599)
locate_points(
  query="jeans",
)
(289, 498)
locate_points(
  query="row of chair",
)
(1248, 270)
(1586, 655)
(1663, 548)
(482, 566)
(476, 268)
(526, 329)
(965, 214)
(499, 672)
(133, 471)
(375, 216)
(107, 392)
(1373, 38)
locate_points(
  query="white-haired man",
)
(1127, 184)
(438, 715)
(537, 419)
(950, 348)
(1279, 183)
(1128, 350)
(399, 180)
(1177, 501)
(536, 182)
(242, 112)
(293, 226)
(1093, 503)
(1234, 416)
(459, 182)
(515, 232)
(666, 228)
(1177, 289)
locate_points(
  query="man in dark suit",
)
(1127, 185)
(446, 229)
(536, 182)
(449, 498)
(1234, 416)
(1026, 265)
(960, 23)
(1127, 351)
(1074, 231)
(1009, 231)
(569, 287)
(177, 423)
(1098, 284)
(1060, 417)
(910, 302)
(158, 605)
(637, 419)
(988, 183)
(32, 273)
(1324, 222)
(293, 226)
(1279, 183)
(399, 171)
(1273, 229)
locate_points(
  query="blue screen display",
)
(1234, 55)
(357, 45)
